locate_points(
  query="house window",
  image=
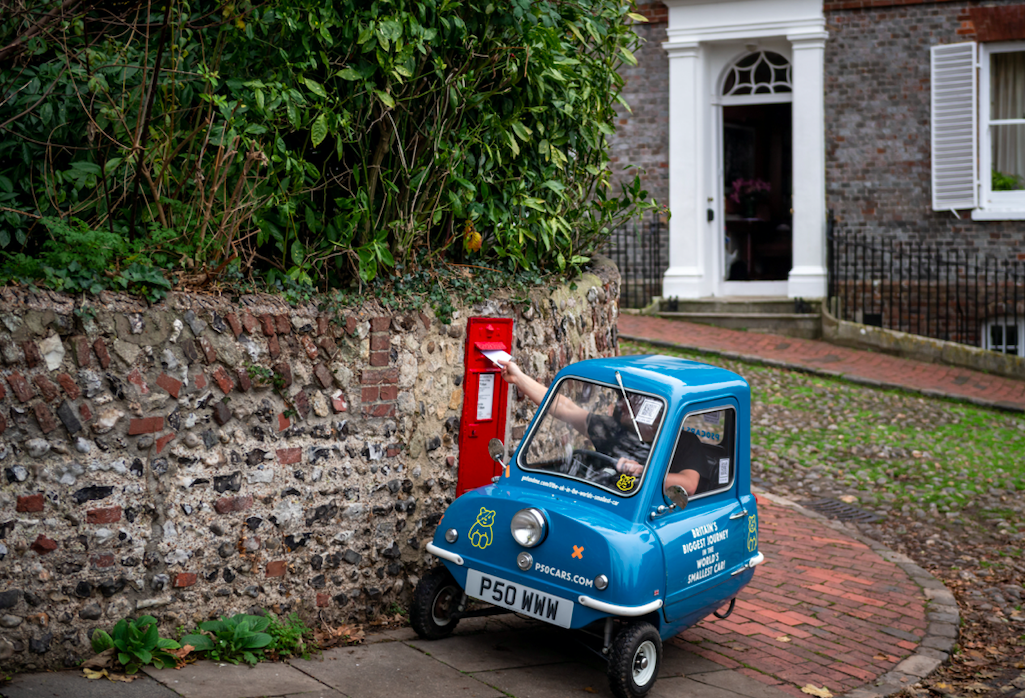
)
(1002, 110)
(978, 129)
(757, 74)
(1005, 335)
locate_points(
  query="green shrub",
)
(310, 143)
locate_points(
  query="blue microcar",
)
(627, 510)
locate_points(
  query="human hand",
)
(629, 466)
(511, 373)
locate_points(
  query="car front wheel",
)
(634, 660)
(435, 601)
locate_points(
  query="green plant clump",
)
(306, 144)
(234, 639)
(137, 643)
(291, 636)
(1006, 182)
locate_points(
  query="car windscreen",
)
(586, 433)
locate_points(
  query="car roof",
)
(662, 375)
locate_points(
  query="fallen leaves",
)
(814, 690)
(104, 674)
(387, 619)
(783, 638)
(181, 656)
(327, 637)
(977, 688)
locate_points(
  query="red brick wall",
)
(998, 23)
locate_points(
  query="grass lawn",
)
(899, 453)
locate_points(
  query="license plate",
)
(519, 598)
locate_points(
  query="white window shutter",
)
(955, 163)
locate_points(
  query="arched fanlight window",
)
(762, 73)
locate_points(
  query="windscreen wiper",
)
(629, 407)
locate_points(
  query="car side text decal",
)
(705, 538)
(583, 494)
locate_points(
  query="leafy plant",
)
(234, 639)
(136, 644)
(166, 140)
(1007, 182)
(291, 636)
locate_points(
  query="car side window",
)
(704, 459)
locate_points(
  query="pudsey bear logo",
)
(480, 533)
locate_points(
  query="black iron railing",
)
(636, 248)
(943, 292)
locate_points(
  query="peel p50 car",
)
(627, 512)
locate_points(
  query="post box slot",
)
(491, 346)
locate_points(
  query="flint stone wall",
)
(206, 456)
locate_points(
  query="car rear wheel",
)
(437, 596)
(634, 660)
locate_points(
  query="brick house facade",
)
(876, 124)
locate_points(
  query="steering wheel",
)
(600, 460)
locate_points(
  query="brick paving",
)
(822, 357)
(823, 609)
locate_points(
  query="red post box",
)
(484, 401)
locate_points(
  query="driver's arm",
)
(687, 479)
(563, 408)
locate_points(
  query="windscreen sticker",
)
(711, 417)
(626, 482)
(648, 412)
(713, 437)
(583, 494)
(724, 470)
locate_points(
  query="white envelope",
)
(497, 356)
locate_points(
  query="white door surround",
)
(704, 38)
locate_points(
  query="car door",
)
(705, 543)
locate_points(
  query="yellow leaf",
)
(93, 674)
(812, 689)
(783, 638)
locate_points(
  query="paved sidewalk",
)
(827, 609)
(828, 359)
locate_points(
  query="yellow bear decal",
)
(626, 482)
(480, 533)
(752, 533)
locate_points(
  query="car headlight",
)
(528, 527)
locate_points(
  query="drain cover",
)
(836, 509)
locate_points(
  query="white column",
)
(686, 275)
(808, 273)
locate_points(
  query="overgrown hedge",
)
(313, 142)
